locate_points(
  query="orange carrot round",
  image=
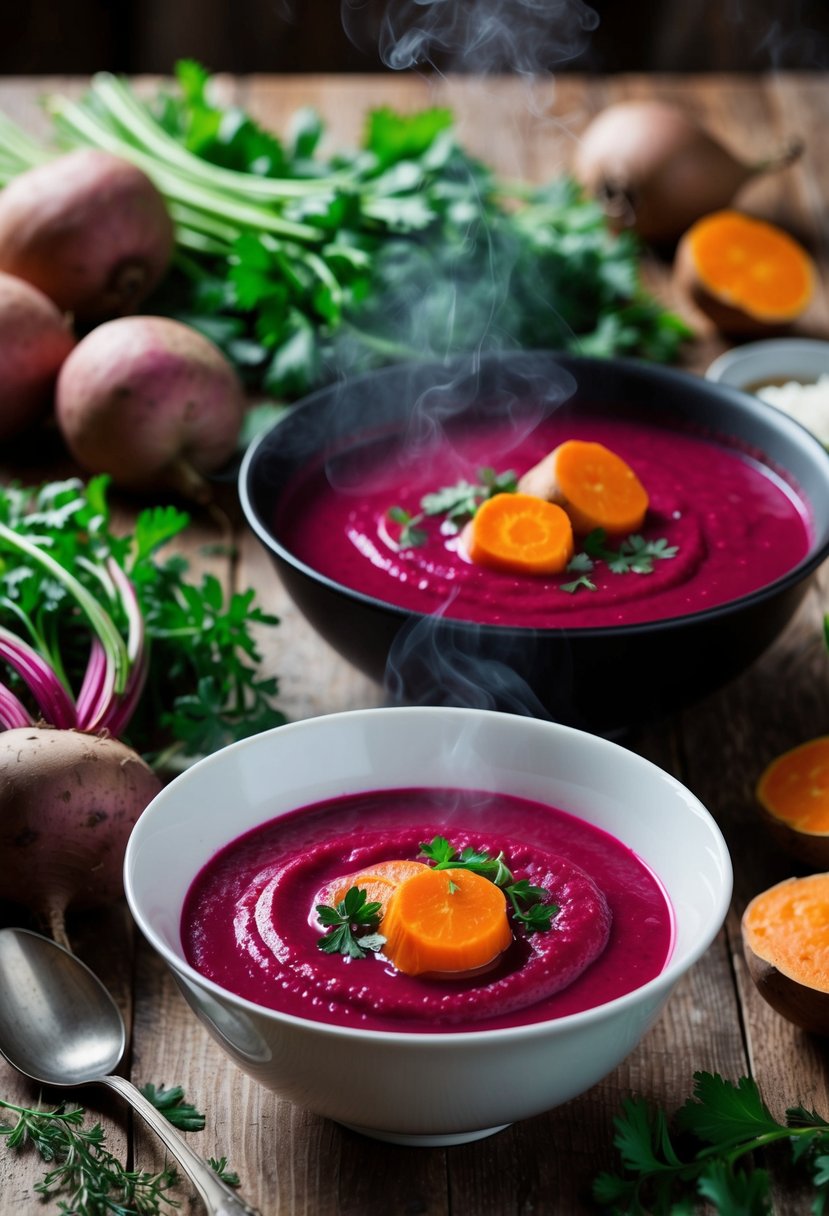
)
(597, 488)
(521, 534)
(445, 921)
(378, 881)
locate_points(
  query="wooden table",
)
(295, 1164)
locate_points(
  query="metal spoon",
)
(59, 1026)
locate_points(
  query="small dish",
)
(774, 361)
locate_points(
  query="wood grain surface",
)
(295, 1164)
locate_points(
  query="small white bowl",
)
(772, 361)
(433, 1088)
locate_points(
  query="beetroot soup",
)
(719, 525)
(250, 919)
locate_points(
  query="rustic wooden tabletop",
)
(293, 1163)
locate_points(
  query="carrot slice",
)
(521, 534)
(445, 921)
(379, 882)
(595, 486)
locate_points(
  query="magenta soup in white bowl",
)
(227, 867)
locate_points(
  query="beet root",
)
(90, 230)
(151, 402)
(34, 341)
(68, 802)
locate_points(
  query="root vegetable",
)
(748, 276)
(793, 790)
(657, 171)
(34, 341)
(150, 402)
(785, 934)
(593, 485)
(520, 534)
(68, 802)
(90, 230)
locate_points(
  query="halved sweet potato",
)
(785, 932)
(793, 790)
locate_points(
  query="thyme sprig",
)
(89, 1179)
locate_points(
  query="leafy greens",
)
(303, 267)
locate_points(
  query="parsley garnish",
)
(635, 555)
(525, 899)
(718, 1127)
(344, 920)
(458, 503)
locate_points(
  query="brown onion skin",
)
(140, 396)
(656, 171)
(68, 802)
(35, 339)
(90, 230)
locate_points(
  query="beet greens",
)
(104, 632)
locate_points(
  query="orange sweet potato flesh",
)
(378, 881)
(785, 934)
(520, 534)
(794, 793)
(443, 921)
(747, 275)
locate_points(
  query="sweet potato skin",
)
(784, 940)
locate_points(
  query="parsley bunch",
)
(303, 266)
(634, 555)
(707, 1154)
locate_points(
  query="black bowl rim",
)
(649, 371)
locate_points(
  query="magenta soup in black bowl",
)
(363, 495)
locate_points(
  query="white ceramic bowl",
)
(774, 359)
(435, 1088)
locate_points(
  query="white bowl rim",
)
(665, 980)
(748, 352)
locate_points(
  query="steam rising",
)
(485, 36)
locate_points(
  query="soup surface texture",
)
(249, 920)
(730, 523)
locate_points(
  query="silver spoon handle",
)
(219, 1198)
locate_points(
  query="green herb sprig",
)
(352, 925)
(705, 1153)
(526, 900)
(87, 1178)
(634, 555)
(171, 1102)
(458, 503)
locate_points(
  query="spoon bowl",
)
(59, 1026)
(58, 1023)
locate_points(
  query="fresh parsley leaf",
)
(525, 899)
(219, 1166)
(353, 912)
(460, 502)
(410, 536)
(577, 584)
(720, 1130)
(170, 1101)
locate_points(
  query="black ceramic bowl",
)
(601, 679)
